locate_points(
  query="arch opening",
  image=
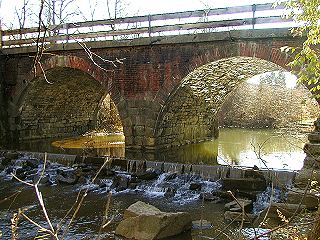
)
(198, 107)
(72, 104)
(190, 113)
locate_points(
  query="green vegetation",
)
(305, 63)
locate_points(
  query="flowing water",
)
(234, 146)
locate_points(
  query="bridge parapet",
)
(146, 27)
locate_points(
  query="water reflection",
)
(245, 147)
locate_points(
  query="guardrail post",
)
(254, 8)
(149, 27)
(67, 31)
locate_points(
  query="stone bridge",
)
(167, 90)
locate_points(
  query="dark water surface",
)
(235, 146)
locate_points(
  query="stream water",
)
(234, 146)
(261, 147)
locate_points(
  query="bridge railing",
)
(178, 23)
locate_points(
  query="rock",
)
(235, 207)
(194, 186)
(67, 180)
(239, 216)
(150, 174)
(250, 184)
(223, 194)
(170, 192)
(310, 200)
(145, 222)
(305, 175)
(201, 224)
(32, 163)
(140, 208)
(120, 182)
(206, 196)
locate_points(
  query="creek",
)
(242, 147)
(235, 146)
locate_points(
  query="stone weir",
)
(279, 178)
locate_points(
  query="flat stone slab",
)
(202, 224)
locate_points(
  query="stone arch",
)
(78, 89)
(189, 113)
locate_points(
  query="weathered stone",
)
(140, 208)
(304, 177)
(70, 179)
(314, 137)
(145, 222)
(244, 184)
(297, 196)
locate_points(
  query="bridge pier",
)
(311, 168)
(3, 104)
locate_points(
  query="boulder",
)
(247, 184)
(145, 222)
(304, 176)
(309, 199)
(140, 208)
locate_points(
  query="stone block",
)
(309, 199)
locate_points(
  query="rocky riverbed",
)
(216, 201)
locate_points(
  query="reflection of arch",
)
(189, 114)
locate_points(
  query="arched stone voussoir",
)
(189, 114)
(69, 61)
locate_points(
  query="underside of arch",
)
(189, 114)
(63, 102)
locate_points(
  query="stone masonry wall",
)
(190, 113)
(149, 75)
(66, 106)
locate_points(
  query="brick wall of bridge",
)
(142, 85)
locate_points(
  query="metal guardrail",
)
(188, 22)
